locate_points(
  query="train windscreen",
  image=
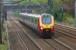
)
(46, 19)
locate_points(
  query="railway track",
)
(23, 38)
(57, 42)
(68, 36)
(68, 29)
(17, 39)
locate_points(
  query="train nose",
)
(47, 30)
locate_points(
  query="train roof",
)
(46, 14)
(32, 15)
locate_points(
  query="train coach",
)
(43, 23)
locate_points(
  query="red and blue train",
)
(43, 23)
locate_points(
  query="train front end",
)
(46, 23)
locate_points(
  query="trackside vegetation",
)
(4, 45)
(57, 9)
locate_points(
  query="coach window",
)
(35, 20)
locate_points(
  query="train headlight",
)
(41, 28)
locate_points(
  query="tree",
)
(55, 8)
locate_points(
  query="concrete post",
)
(75, 14)
(0, 21)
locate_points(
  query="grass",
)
(4, 45)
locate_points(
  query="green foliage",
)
(59, 14)
(56, 9)
(26, 2)
(4, 46)
(40, 1)
(16, 13)
(68, 18)
(23, 2)
(56, 4)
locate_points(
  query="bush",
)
(68, 18)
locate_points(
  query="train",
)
(43, 23)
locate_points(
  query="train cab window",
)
(46, 19)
